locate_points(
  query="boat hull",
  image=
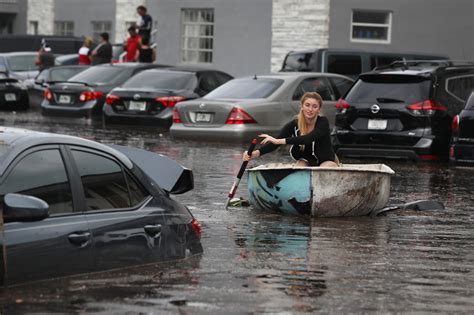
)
(351, 190)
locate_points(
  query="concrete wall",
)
(242, 33)
(125, 12)
(43, 12)
(424, 26)
(298, 24)
(84, 11)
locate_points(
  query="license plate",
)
(133, 105)
(64, 99)
(377, 124)
(10, 97)
(203, 117)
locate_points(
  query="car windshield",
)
(22, 63)
(297, 62)
(64, 74)
(389, 89)
(247, 88)
(160, 80)
(101, 75)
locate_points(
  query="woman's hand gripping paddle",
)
(241, 172)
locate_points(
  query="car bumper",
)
(161, 119)
(86, 109)
(462, 153)
(237, 133)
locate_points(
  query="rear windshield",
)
(246, 89)
(470, 102)
(297, 62)
(64, 74)
(22, 63)
(161, 80)
(98, 75)
(408, 89)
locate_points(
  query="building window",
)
(197, 35)
(99, 27)
(64, 28)
(371, 26)
(33, 27)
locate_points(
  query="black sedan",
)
(13, 94)
(71, 205)
(462, 144)
(48, 76)
(149, 97)
(84, 94)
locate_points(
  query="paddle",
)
(241, 172)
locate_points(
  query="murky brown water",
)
(254, 262)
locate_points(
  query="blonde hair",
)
(302, 125)
(87, 42)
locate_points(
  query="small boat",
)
(349, 190)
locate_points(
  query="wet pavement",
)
(259, 262)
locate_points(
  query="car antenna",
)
(255, 76)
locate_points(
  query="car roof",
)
(13, 141)
(294, 75)
(19, 53)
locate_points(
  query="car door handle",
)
(153, 229)
(79, 238)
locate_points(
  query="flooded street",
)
(259, 262)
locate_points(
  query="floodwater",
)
(259, 262)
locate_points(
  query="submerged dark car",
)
(50, 76)
(149, 97)
(84, 94)
(13, 94)
(462, 145)
(403, 110)
(72, 205)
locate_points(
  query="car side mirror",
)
(22, 208)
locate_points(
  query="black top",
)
(144, 27)
(104, 54)
(317, 143)
(146, 55)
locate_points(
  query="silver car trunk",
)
(209, 113)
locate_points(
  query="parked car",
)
(242, 108)
(84, 94)
(404, 110)
(59, 44)
(13, 94)
(346, 62)
(462, 143)
(72, 205)
(149, 97)
(48, 76)
(67, 60)
(19, 65)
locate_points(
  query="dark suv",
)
(462, 146)
(403, 110)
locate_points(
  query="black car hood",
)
(166, 173)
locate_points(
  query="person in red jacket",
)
(132, 44)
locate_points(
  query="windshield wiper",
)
(388, 100)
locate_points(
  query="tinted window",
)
(320, 85)
(246, 88)
(460, 87)
(43, 75)
(101, 74)
(64, 74)
(345, 64)
(222, 77)
(377, 61)
(207, 83)
(160, 80)
(41, 174)
(375, 89)
(104, 183)
(137, 193)
(22, 63)
(297, 62)
(341, 86)
(470, 102)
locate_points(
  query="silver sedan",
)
(245, 107)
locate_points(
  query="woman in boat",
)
(308, 134)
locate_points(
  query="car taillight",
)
(48, 94)
(455, 124)
(429, 157)
(196, 227)
(90, 96)
(451, 151)
(342, 106)
(428, 107)
(238, 116)
(170, 101)
(176, 118)
(110, 99)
